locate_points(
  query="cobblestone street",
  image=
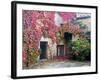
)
(58, 64)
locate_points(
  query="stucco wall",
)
(51, 48)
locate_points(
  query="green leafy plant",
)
(35, 55)
(81, 49)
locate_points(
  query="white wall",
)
(5, 43)
(58, 19)
(51, 50)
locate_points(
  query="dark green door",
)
(43, 47)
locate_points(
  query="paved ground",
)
(59, 64)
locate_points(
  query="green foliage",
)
(35, 55)
(81, 49)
